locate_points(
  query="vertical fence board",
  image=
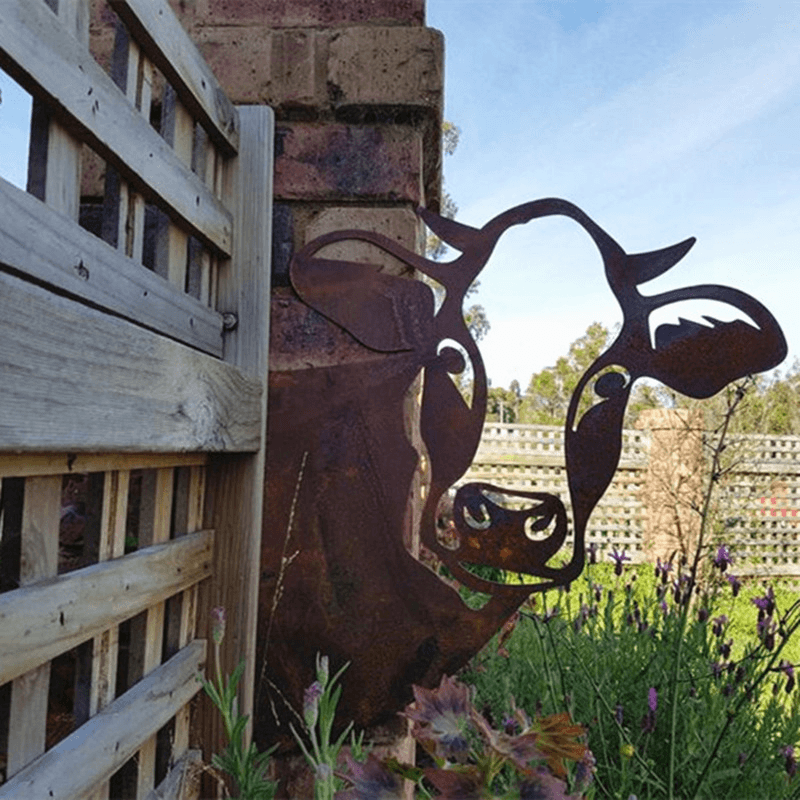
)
(41, 513)
(236, 484)
(156, 533)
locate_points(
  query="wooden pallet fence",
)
(133, 349)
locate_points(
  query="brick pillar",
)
(673, 483)
(357, 89)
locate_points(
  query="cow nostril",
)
(478, 524)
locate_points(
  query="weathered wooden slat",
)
(52, 249)
(38, 622)
(167, 44)
(86, 382)
(182, 781)
(147, 650)
(22, 465)
(235, 487)
(99, 747)
(53, 66)
(38, 559)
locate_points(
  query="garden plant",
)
(682, 671)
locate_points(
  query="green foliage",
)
(319, 712)
(245, 765)
(549, 391)
(687, 690)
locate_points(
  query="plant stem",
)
(704, 514)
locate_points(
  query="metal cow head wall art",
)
(351, 350)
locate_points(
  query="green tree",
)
(549, 391)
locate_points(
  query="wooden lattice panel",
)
(146, 564)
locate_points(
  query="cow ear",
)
(456, 234)
(646, 266)
(383, 312)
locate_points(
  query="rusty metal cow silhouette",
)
(347, 351)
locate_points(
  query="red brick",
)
(387, 66)
(255, 65)
(333, 162)
(310, 13)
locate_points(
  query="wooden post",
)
(236, 482)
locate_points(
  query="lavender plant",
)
(646, 659)
(245, 765)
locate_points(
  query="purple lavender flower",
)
(652, 699)
(725, 648)
(218, 618)
(598, 592)
(702, 614)
(791, 764)
(716, 669)
(788, 670)
(618, 557)
(663, 570)
(719, 624)
(723, 559)
(765, 603)
(766, 630)
(311, 698)
(592, 551)
(735, 583)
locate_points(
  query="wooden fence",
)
(757, 512)
(133, 355)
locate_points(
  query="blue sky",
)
(662, 120)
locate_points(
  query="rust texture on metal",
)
(352, 349)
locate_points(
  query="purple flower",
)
(765, 603)
(716, 669)
(725, 648)
(663, 569)
(581, 617)
(718, 624)
(735, 583)
(311, 698)
(702, 614)
(652, 699)
(723, 559)
(788, 670)
(791, 764)
(371, 780)
(598, 592)
(618, 558)
(766, 630)
(218, 618)
(592, 550)
(441, 717)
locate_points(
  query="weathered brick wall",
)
(357, 91)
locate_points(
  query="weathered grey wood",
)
(167, 44)
(38, 622)
(98, 748)
(23, 465)
(38, 559)
(52, 65)
(85, 382)
(46, 245)
(182, 781)
(236, 484)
